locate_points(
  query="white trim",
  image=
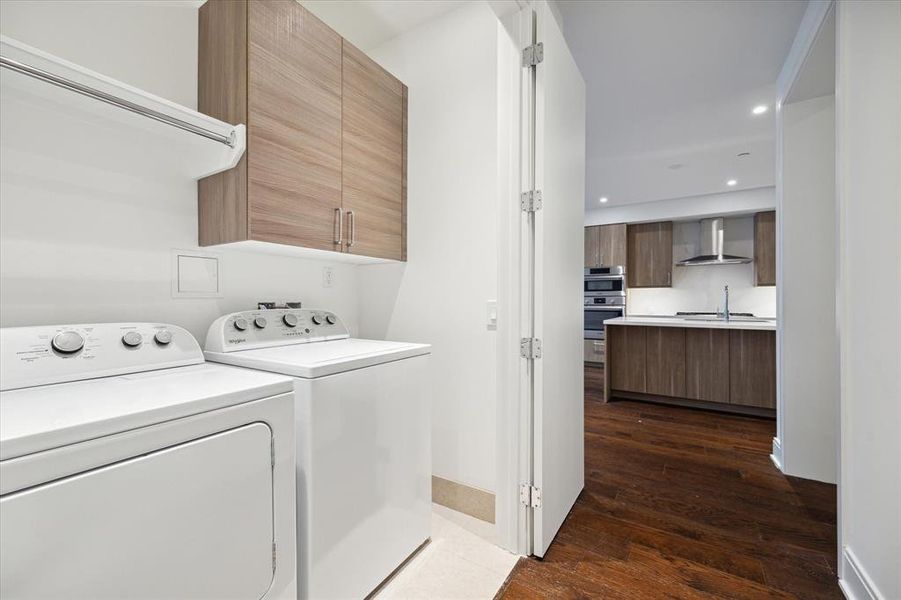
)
(856, 583)
(776, 456)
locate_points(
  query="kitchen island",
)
(703, 363)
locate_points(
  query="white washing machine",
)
(362, 411)
(129, 468)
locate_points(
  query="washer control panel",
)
(273, 327)
(31, 356)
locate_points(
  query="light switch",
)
(328, 277)
(195, 275)
(492, 315)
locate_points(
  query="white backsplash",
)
(700, 288)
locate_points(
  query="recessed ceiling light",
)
(603, 199)
(760, 109)
(731, 182)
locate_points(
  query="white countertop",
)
(737, 323)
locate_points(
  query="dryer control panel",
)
(266, 328)
(42, 355)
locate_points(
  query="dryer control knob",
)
(260, 323)
(290, 319)
(67, 342)
(330, 319)
(317, 320)
(163, 337)
(132, 339)
(240, 324)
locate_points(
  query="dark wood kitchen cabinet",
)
(592, 246)
(665, 361)
(325, 166)
(612, 245)
(707, 364)
(752, 368)
(650, 254)
(765, 248)
(628, 371)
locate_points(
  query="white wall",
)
(868, 130)
(81, 245)
(700, 288)
(809, 359)
(439, 296)
(716, 205)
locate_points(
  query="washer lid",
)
(309, 361)
(50, 416)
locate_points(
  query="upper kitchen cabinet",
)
(325, 165)
(605, 245)
(592, 256)
(765, 248)
(650, 254)
(374, 140)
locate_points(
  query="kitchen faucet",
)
(726, 302)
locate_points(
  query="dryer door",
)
(190, 521)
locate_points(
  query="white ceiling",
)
(368, 23)
(673, 82)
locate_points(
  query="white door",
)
(558, 455)
(191, 521)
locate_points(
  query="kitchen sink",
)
(723, 320)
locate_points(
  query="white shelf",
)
(143, 133)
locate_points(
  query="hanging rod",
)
(68, 84)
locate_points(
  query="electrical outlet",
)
(328, 277)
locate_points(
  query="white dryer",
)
(129, 468)
(362, 411)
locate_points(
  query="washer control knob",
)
(260, 322)
(67, 342)
(163, 337)
(330, 319)
(290, 319)
(240, 324)
(132, 339)
(317, 320)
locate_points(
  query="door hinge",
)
(530, 496)
(531, 201)
(532, 55)
(273, 557)
(530, 348)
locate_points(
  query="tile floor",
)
(460, 562)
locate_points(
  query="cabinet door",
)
(293, 126)
(765, 248)
(666, 361)
(707, 364)
(373, 138)
(591, 246)
(752, 368)
(650, 254)
(612, 245)
(626, 357)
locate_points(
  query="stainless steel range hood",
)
(712, 247)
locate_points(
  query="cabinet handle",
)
(338, 229)
(351, 229)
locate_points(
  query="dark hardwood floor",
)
(684, 503)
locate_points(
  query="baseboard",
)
(463, 498)
(855, 582)
(776, 456)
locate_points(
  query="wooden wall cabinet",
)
(325, 166)
(605, 245)
(765, 248)
(650, 254)
(592, 246)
